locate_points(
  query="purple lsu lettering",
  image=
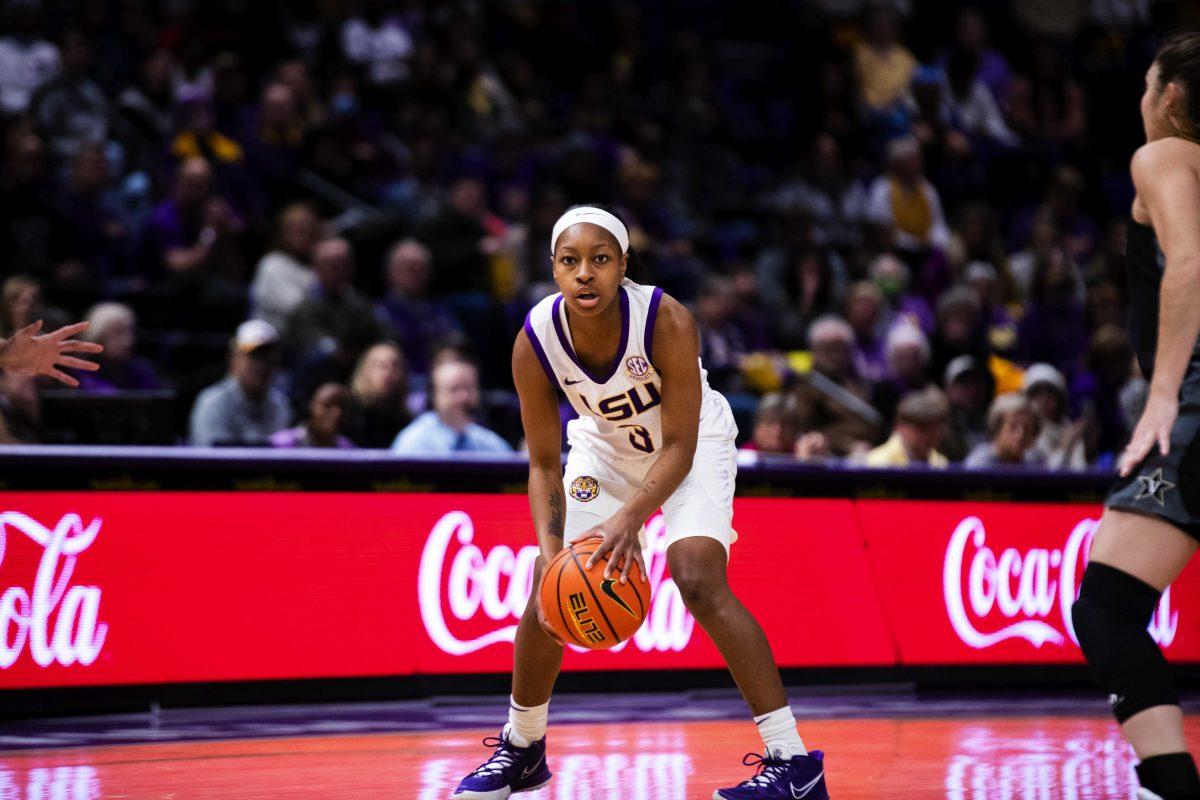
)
(627, 404)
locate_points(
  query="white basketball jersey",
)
(620, 408)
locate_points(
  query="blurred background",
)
(900, 225)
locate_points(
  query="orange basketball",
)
(584, 607)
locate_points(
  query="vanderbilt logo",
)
(1155, 486)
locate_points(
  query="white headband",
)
(596, 216)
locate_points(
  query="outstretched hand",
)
(620, 544)
(27, 352)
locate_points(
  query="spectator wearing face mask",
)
(450, 427)
(892, 277)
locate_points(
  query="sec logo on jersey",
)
(637, 368)
(585, 488)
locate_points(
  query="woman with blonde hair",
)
(114, 326)
(379, 390)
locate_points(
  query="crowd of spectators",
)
(320, 224)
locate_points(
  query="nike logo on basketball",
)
(606, 586)
(568, 382)
(806, 788)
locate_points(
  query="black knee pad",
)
(1110, 618)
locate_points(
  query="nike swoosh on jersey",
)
(567, 382)
(806, 788)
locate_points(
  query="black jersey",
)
(1145, 272)
(1166, 486)
(1146, 263)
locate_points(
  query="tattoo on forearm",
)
(557, 516)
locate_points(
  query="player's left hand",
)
(28, 353)
(1153, 428)
(620, 544)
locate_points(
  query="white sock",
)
(526, 725)
(778, 730)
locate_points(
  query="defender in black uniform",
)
(1165, 486)
(1151, 526)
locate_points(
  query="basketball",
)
(584, 607)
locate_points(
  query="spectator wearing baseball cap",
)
(1060, 443)
(969, 389)
(920, 426)
(245, 407)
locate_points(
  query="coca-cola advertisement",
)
(474, 581)
(100, 588)
(966, 582)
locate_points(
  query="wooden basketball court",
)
(971, 758)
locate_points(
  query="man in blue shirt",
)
(245, 408)
(450, 427)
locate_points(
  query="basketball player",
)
(650, 434)
(1151, 526)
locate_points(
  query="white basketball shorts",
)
(702, 505)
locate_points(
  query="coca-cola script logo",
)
(78, 635)
(1031, 591)
(493, 587)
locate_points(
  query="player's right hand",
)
(1154, 428)
(620, 550)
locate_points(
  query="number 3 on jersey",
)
(640, 438)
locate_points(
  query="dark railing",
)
(255, 469)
